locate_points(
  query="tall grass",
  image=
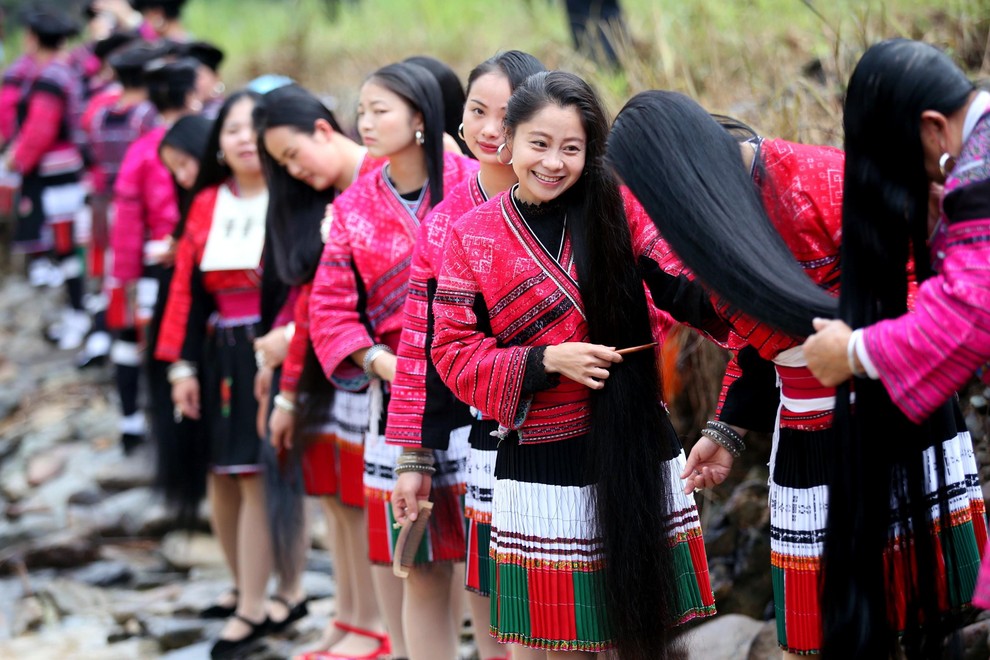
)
(780, 65)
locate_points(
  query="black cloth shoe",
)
(217, 611)
(233, 648)
(296, 612)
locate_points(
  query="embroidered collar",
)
(555, 206)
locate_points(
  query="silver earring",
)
(460, 132)
(498, 155)
(946, 163)
(221, 158)
(420, 138)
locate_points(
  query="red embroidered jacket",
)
(361, 283)
(499, 295)
(293, 365)
(803, 197)
(194, 295)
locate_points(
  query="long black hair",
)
(421, 91)
(885, 215)
(630, 435)
(188, 134)
(294, 207)
(687, 172)
(212, 171)
(451, 91)
(515, 65)
(294, 242)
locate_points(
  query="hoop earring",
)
(221, 158)
(946, 163)
(460, 132)
(420, 138)
(498, 155)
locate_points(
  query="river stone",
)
(185, 550)
(726, 637)
(65, 549)
(172, 633)
(104, 573)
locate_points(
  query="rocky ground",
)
(91, 567)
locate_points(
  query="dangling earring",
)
(946, 163)
(460, 132)
(221, 158)
(498, 155)
(420, 138)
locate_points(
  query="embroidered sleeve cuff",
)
(536, 378)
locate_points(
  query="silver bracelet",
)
(180, 371)
(283, 403)
(371, 354)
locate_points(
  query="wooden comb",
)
(410, 536)
(635, 349)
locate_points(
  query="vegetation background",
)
(780, 65)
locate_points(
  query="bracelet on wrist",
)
(180, 371)
(725, 436)
(422, 469)
(285, 404)
(371, 355)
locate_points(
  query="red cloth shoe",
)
(384, 646)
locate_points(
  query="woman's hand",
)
(384, 366)
(707, 466)
(262, 394)
(583, 363)
(410, 487)
(185, 396)
(827, 352)
(273, 346)
(282, 426)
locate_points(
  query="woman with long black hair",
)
(218, 274)
(308, 161)
(771, 254)
(357, 299)
(594, 545)
(423, 413)
(913, 122)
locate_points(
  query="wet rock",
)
(765, 645)
(184, 550)
(129, 513)
(172, 633)
(975, 640)
(726, 637)
(87, 497)
(65, 549)
(44, 467)
(76, 598)
(28, 616)
(13, 481)
(25, 528)
(126, 473)
(747, 507)
(104, 574)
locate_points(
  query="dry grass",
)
(778, 64)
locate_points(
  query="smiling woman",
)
(587, 460)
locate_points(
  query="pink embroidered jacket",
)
(144, 205)
(422, 411)
(924, 356)
(361, 283)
